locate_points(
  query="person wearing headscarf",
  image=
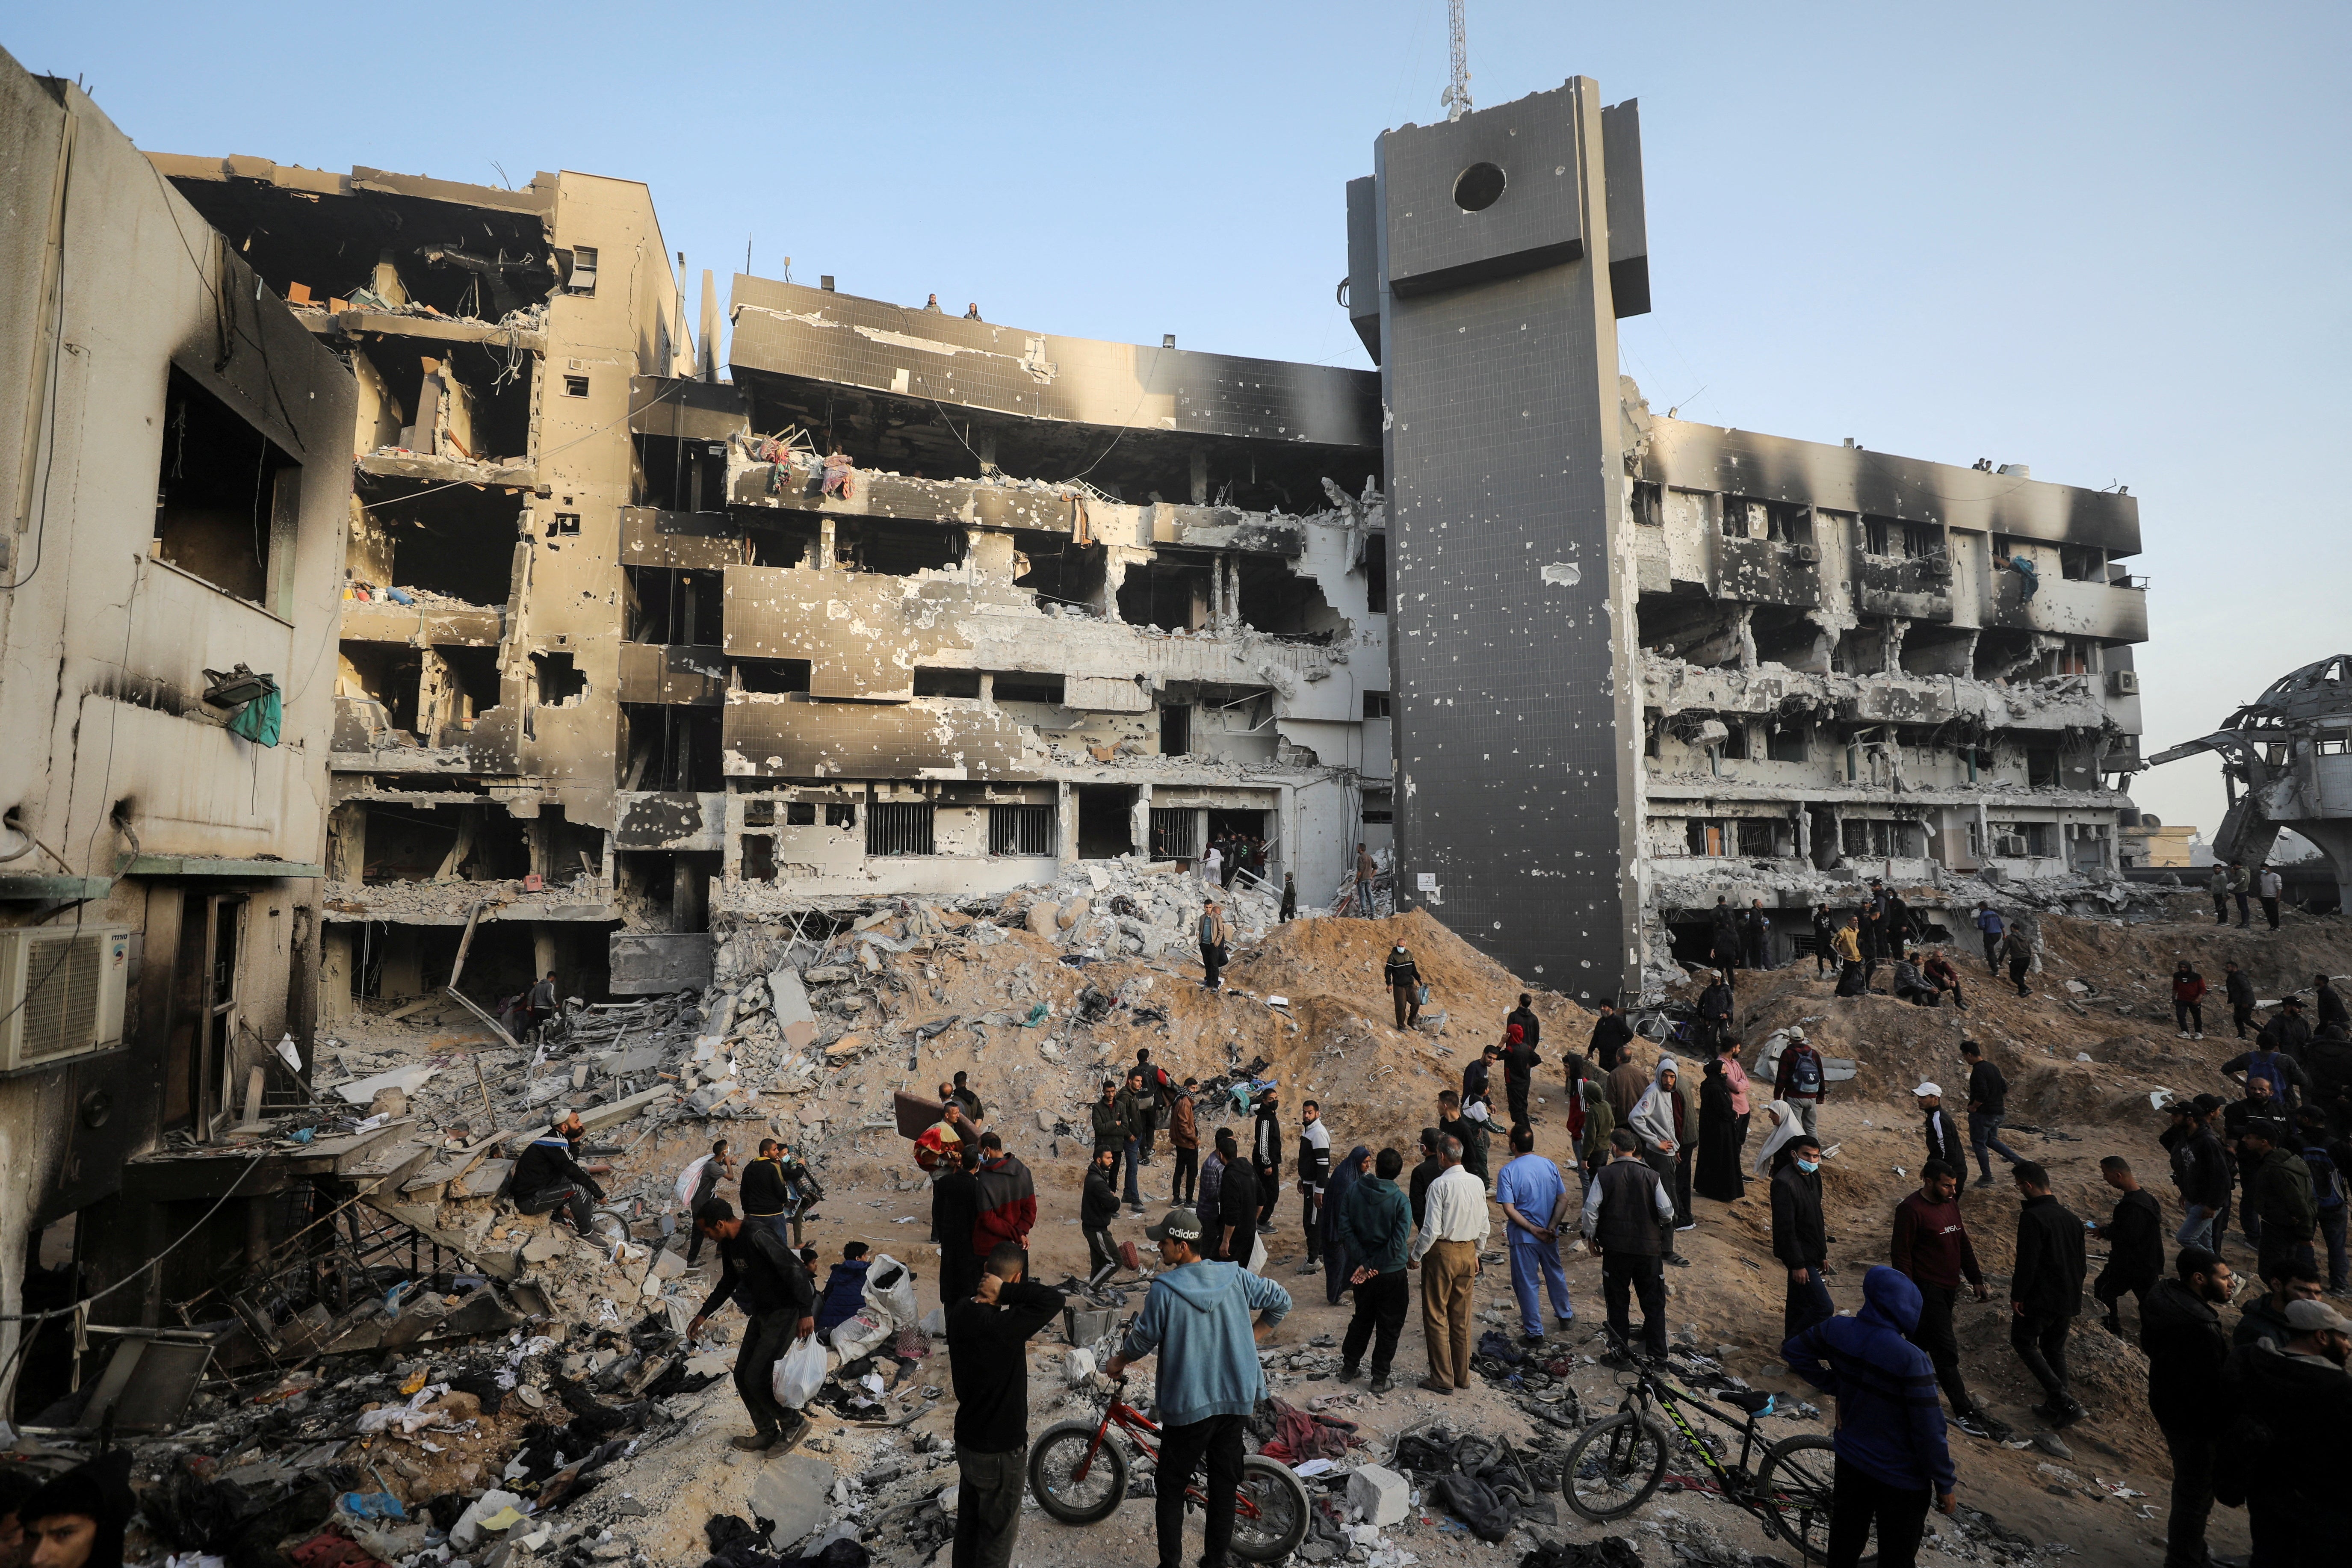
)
(1665, 1119)
(1782, 1123)
(77, 1519)
(1717, 1174)
(1337, 1264)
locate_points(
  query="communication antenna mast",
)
(1456, 97)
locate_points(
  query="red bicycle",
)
(1077, 1473)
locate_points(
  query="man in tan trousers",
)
(1454, 1226)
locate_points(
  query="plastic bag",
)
(799, 1373)
(866, 1330)
(687, 1180)
(891, 1287)
(1256, 1264)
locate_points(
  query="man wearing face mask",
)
(1799, 1239)
(2181, 1332)
(2291, 1443)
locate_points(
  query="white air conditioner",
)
(2123, 683)
(2010, 844)
(1806, 552)
(63, 990)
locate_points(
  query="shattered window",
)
(1876, 531)
(840, 816)
(1756, 838)
(800, 814)
(1922, 541)
(1376, 704)
(226, 499)
(1786, 742)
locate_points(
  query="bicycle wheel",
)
(1614, 1467)
(1069, 1487)
(1270, 1513)
(1653, 1027)
(1796, 1481)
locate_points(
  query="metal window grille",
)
(898, 829)
(1175, 833)
(1020, 830)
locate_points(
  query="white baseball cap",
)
(1925, 1089)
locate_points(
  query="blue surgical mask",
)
(1809, 1166)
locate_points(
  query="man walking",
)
(988, 1351)
(1611, 1036)
(1532, 1190)
(1184, 1138)
(2238, 991)
(1209, 1381)
(2045, 1289)
(2181, 1332)
(1942, 1136)
(1628, 1215)
(1800, 1238)
(1314, 1179)
(955, 1215)
(1892, 1459)
(1454, 1227)
(2135, 1239)
(1215, 933)
(1989, 926)
(1932, 1250)
(1376, 1227)
(1265, 1157)
(1801, 1079)
(768, 1280)
(2279, 1195)
(2017, 952)
(1404, 977)
(699, 1183)
(1987, 1109)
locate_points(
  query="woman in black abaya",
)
(1717, 1175)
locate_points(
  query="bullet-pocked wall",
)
(1516, 717)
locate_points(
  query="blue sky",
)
(2105, 240)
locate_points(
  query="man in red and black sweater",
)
(1931, 1247)
(1008, 1200)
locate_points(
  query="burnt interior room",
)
(1059, 570)
(497, 384)
(1280, 601)
(389, 672)
(1170, 591)
(217, 490)
(780, 538)
(466, 261)
(682, 473)
(672, 748)
(777, 677)
(669, 888)
(459, 542)
(469, 689)
(1784, 635)
(895, 549)
(939, 440)
(1106, 821)
(667, 606)
(423, 843)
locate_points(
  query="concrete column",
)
(1217, 595)
(1139, 828)
(1802, 820)
(1065, 815)
(1200, 479)
(338, 961)
(1292, 856)
(544, 948)
(825, 544)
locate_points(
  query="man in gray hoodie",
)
(1198, 1317)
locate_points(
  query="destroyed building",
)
(1643, 663)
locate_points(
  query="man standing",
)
(1184, 1138)
(1989, 925)
(1627, 1217)
(962, 1094)
(2218, 884)
(1265, 1157)
(1209, 1382)
(2258, 1109)
(2291, 1443)
(1431, 1166)
(1477, 1074)
(1238, 1203)
(2045, 1289)
(2264, 1317)
(2326, 1158)
(545, 1002)
(1314, 1179)
(2181, 1332)
(1519, 1063)
(1802, 1080)
(1156, 1092)
(1987, 1109)
(2329, 1002)
(699, 1184)
(1932, 1250)
(1610, 1036)
(2279, 1195)
(1098, 1208)
(1215, 933)
(987, 1350)
(1134, 1108)
(1800, 1238)
(1715, 1006)
(1846, 946)
(2240, 884)
(1531, 1190)
(955, 1214)
(1664, 1119)
(1943, 1137)
(2239, 991)
(778, 1297)
(1625, 1086)
(1404, 977)
(2135, 1239)
(1891, 1453)
(1366, 869)
(2201, 1169)
(2268, 886)
(1375, 1227)
(1453, 1121)
(1108, 1118)
(1454, 1227)
(1008, 1200)
(1754, 934)
(1723, 935)
(1530, 1026)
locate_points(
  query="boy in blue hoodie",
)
(845, 1289)
(1198, 1318)
(1890, 1423)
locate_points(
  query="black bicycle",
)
(1622, 1459)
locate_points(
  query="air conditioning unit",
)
(63, 990)
(2010, 845)
(2123, 683)
(1806, 552)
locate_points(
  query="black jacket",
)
(2185, 1352)
(2290, 1441)
(2135, 1239)
(2201, 1165)
(1098, 1204)
(762, 1187)
(1988, 1090)
(1799, 1240)
(1238, 1201)
(548, 1163)
(1610, 1036)
(2287, 1033)
(1428, 1170)
(1715, 1005)
(2051, 1259)
(1110, 1124)
(988, 1351)
(1943, 1141)
(1530, 1026)
(1474, 1080)
(770, 1275)
(2331, 1007)
(2237, 989)
(1265, 1142)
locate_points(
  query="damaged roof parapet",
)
(1671, 686)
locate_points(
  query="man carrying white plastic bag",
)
(768, 1280)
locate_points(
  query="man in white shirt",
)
(2267, 887)
(1453, 1224)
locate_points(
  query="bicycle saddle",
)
(1754, 1401)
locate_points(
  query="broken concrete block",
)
(667, 1265)
(790, 1003)
(1382, 1495)
(1080, 1365)
(1073, 913)
(793, 1492)
(543, 1247)
(827, 975)
(1043, 918)
(848, 1044)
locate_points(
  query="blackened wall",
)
(1516, 721)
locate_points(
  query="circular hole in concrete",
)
(1478, 187)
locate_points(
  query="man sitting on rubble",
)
(1910, 986)
(771, 1285)
(549, 1178)
(1940, 973)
